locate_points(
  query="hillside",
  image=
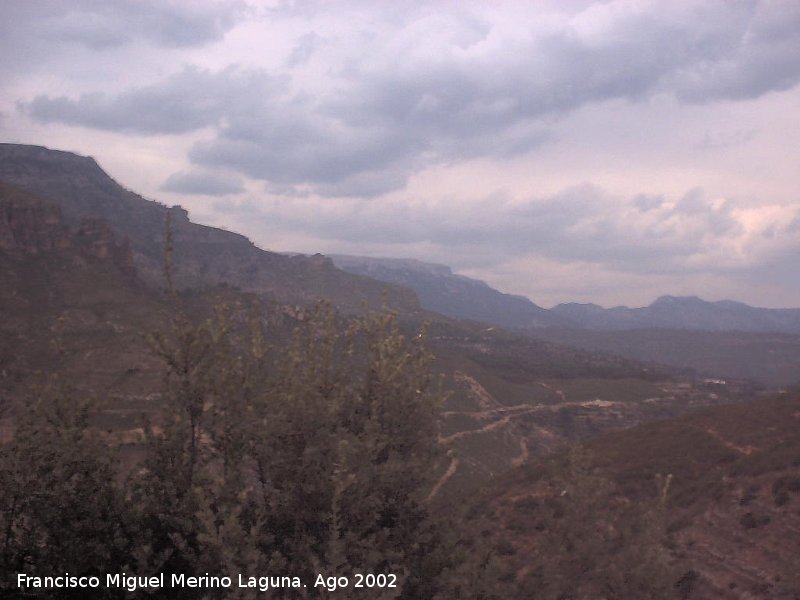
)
(513, 397)
(770, 359)
(729, 529)
(203, 255)
(456, 296)
(71, 300)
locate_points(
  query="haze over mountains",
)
(439, 289)
(726, 339)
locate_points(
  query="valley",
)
(83, 292)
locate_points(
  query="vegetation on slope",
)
(309, 459)
(703, 506)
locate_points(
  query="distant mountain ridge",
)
(457, 296)
(683, 312)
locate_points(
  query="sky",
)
(608, 152)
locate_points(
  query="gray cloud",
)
(295, 146)
(583, 224)
(306, 46)
(100, 24)
(443, 87)
(186, 101)
(203, 182)
(763, 58)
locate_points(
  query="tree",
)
(304, 457)
(590, 541)
(388, 452)
(60, 510)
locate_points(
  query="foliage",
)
(60, 510)
(568, 533)
(300, 457)
(304, 459)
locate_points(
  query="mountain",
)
(456, 296)
(460, 297)
(202, 255)
(683, 312)
(80, 266)
(71, 298)
(724, 340)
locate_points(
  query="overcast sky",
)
(569, 150)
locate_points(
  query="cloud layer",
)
(436, 87)
(609, 145)
(103, 24)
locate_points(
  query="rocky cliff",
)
(202, 255)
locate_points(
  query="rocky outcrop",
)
(31, 225)
(28, 224)
(202, 255)
(96, 238)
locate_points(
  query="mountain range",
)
(81, 261)
(202, 255)
(720, 340)
(683, 312)
(440, 290)
(82, 286)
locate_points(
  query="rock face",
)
(28, 224)
(202, 255)
(96, 238)
(31, 225)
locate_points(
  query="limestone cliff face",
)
(28, 224)
(96, 238)
(31, 225)
(202, 255)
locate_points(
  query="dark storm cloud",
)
(443, 88)
(203, 182)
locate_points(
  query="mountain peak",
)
(454, 295)
(676, 301)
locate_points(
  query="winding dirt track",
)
(499, 417)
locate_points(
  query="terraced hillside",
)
(729, 526)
